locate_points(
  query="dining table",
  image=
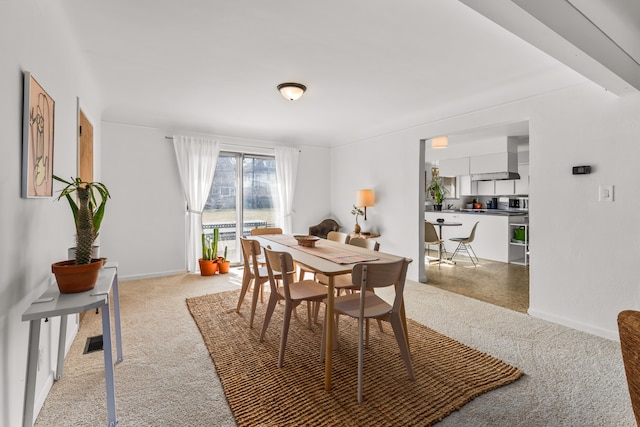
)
(331, 259)
(441, 245)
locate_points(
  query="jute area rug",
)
(448, 373)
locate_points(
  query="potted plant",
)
(208, 262)
(224, 263)
(437, 192)
(357, 212)
(81, 273)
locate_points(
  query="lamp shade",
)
(291, 91)
(365, 198)
(440, 142)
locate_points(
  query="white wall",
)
(584, 252)
(144, 228)
(35, 232)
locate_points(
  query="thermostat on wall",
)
(581, 170)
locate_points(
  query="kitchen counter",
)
(498, 212)
(493, 234)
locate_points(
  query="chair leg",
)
(246, 280)
(366, 340)
(261, 294)
(316, 311)
(285, 332)
(309, 304)
(273, 300)
(257, 287)
(323, 342)
(456, 251)
(401, 338)
(474, 254)
(361, 322)
(323, 345)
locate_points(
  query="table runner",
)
(339, 256)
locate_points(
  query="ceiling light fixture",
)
(440, 142)
(291, 91)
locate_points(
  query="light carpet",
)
(448, 373)
(168, 379)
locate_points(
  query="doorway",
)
(499, 280)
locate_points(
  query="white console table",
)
(51, 304)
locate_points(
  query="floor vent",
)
(93, 344)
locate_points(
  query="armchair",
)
(322, 229)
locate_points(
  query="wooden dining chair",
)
(253, 273)
(343, 282)
(337, 236)
(372, 244)
(261, 231)
(629, 330)
(280, 264)
(367, 305)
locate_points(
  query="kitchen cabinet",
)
(468, 187)
(486, 188)
(454, 167)
(519, 249)
(506, 187)
(492, 234)
(522, 184)
(497, 162)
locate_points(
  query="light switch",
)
(605, 193)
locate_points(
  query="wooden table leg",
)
(329, 337)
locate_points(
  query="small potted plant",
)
(81, 273)
(357, 212)
(437, 192)
(208, 262)
(224, 263)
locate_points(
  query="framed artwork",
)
(37, 140)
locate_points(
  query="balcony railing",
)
(228, 229)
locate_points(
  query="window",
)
(235, 209)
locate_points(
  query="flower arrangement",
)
(357, 212)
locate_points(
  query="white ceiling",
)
(371, 66)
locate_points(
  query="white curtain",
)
(197, 159)
(286, 170)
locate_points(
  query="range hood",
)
(494, 167)
(495, 176)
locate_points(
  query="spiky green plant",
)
(210, 246)
(88, 213)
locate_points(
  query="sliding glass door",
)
(243, 196)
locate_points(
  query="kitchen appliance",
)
(519, 203)
(503, 203)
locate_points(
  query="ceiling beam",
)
(559, 29)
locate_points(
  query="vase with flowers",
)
(357, 212)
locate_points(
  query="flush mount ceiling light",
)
(291, 91)
(440, 142)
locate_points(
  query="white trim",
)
(584, 327)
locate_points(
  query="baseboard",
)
(583, 327)
(151, 275)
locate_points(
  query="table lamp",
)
(365, 198)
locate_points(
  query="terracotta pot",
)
(72, 278)
(208, 267)
(223, 266)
